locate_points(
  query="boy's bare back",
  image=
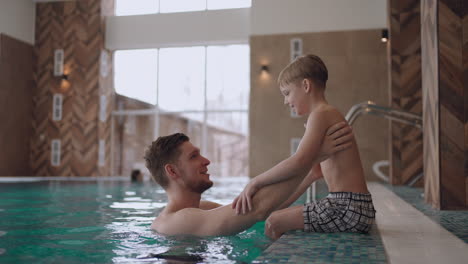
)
(343, 171)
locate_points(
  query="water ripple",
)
(137, 205)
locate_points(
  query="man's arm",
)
(224, 220)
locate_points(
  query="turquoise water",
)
(109, 222)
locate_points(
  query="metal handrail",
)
(371, 108)
(393, 114)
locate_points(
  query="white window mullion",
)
(205, 106)
(157, 118)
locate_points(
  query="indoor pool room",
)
(233, 131)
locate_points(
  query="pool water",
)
(109, 222)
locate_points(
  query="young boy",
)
(348, 207)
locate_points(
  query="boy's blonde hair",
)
(304, 67)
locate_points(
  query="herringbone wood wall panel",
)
(405, 90)
(452, 103)
(78, 28)
(445, 85)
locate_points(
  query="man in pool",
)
(182, 171)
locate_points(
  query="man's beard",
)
(200, 186)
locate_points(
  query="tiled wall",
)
(78, 28)
(405, 89)
(16, 88)
(445, 82)
(357, 65)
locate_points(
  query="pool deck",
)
(403, 234)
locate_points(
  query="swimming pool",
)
(109, 222)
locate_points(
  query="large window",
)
(136, 7)
(182, 78)
(202, 91)
(139, 7)
(135, 74)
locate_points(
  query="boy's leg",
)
(284, 220)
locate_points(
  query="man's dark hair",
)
(163, 151)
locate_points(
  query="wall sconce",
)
(264, 73)
(384, 35)
(64, 83)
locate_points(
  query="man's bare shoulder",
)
(208, 205)
(193, 221)
(167, 223)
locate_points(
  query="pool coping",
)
(406, 233)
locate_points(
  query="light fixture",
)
(64, 82)
(384, 35)
(264, 68)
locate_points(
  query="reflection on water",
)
(104, 222)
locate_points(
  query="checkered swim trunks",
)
(340, 212)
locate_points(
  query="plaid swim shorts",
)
(340, 212)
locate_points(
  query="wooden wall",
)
(78, 28)
(453, 103)
(16, 88)
(445, 82)
(405, 89)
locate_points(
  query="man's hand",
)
(243, 202)
(337, 138)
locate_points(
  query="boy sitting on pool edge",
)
(348, 206)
